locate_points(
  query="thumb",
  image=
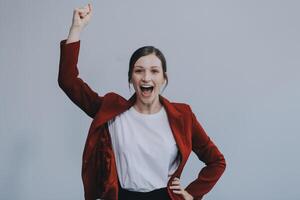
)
(76, 15)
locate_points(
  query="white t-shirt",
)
(145, 149)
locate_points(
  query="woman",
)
(137, 148)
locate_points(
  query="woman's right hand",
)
(81, 17)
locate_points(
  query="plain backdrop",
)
(235, 62)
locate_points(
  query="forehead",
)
(148, 61)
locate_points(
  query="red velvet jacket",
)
(99, 172)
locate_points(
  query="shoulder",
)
(113, 97)
(182, 107)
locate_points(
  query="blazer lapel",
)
(177, 125)
(110, 110)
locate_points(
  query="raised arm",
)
(68, 76)
(207, 152)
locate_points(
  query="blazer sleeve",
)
(75, 88)
(207, 152)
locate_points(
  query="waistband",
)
(157, 194)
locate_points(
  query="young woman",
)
(136, 149)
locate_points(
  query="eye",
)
(155, 71)
(138, 71)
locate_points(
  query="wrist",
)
(75, 28)
(74, 34)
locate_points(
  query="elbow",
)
(219, 163)
(222, 163)
(63, 83)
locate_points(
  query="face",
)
(147, 78)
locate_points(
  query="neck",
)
(148, 108)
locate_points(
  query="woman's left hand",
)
(179, 190)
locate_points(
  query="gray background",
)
(235, 62)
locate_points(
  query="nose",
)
(147, 76)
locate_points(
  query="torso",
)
(145, 149)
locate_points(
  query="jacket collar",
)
(165, 102)
(109, 110)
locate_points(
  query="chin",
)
(148, 100)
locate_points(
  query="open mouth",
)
(146, 90)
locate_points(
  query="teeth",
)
(147, 88)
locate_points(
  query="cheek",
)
(161, 80)
(134, 79)
(134, 82)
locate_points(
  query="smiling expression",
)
(147, 78)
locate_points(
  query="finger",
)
(78, 13)
(86, 12)
(90, 7)
(81, 9)
(87, 8)
(177, 187)
(87, 18)
(177, 191)
(176, 179)
(176, 182)
(82, 12)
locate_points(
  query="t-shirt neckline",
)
(146, 115)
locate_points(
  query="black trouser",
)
(157, 194)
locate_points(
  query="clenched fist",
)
(81, 16)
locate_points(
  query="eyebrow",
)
(143, 67)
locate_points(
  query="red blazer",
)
(99, 174)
